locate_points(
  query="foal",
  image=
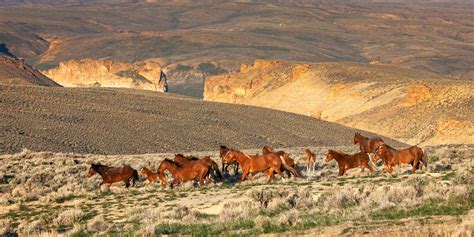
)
(309, 159)
(152, 176)
(346, 162)
(367, 145)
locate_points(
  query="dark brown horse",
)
(214, 168)
(289, 161)
(185, 172)
(367, 145)
(152, 176)
(222, 152)
(112, 175)
(254, 164)
(392, 157)
(346, 162)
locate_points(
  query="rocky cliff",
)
(14, 71)
(105, 73)
(405, 104)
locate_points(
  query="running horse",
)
(181, 159)
(185, 172)
(289, 161)
(112, 175)
(346, 162)
(392, 157)
(254, 164)
(367, 145)
(222, 153)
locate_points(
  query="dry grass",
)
(49, 194)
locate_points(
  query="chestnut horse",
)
(112, 175)
(181, 159)
(152, 176)
(346, 162)
(392, 157)
(222, 152)
(253, 164)
(185, 172)
(309, 159)
(367, 145)
(289, 161)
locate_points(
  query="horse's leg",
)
(279, 172)
(341, 171)
(250, 177)
(371, 170)
(244, 173)
(236, 169)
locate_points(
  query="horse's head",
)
(229, 157)
(222, 151)
(267, 149)
(330, 156)
(381, 150)
(144, 171)
(357, 137)
(92, 170)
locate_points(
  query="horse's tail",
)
(215, 167)
(135, 177)
(289, 168)
(424, 158)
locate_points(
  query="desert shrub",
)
(417, 182)
(464, 177)
(239, 210)
(289, 218)
(179, 212)
(68, 217)
(97, 224)
(262, 197)
(31, 227)
(342, 198)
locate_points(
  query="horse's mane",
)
(99, 167)
(172, 162)
(338, 153)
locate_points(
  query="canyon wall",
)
(104, 73)
(405, 104)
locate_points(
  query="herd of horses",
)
(190, 168)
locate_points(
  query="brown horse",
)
(289, 161)
(152, 176)
(253, 164)
(181, 159)
(346, 162)
(185, 172)
(367, 145)
(309, 159)
(222, 152)
(112, 175)
(392, 157)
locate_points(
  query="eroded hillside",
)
(104, 73)
(409, 105)
(17, 72)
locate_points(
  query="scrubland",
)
(49, 194)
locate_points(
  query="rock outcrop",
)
(405, 104)
(15, 71)
(105, 73)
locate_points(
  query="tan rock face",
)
(405, 104)
(105, 73)
(417, 94)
